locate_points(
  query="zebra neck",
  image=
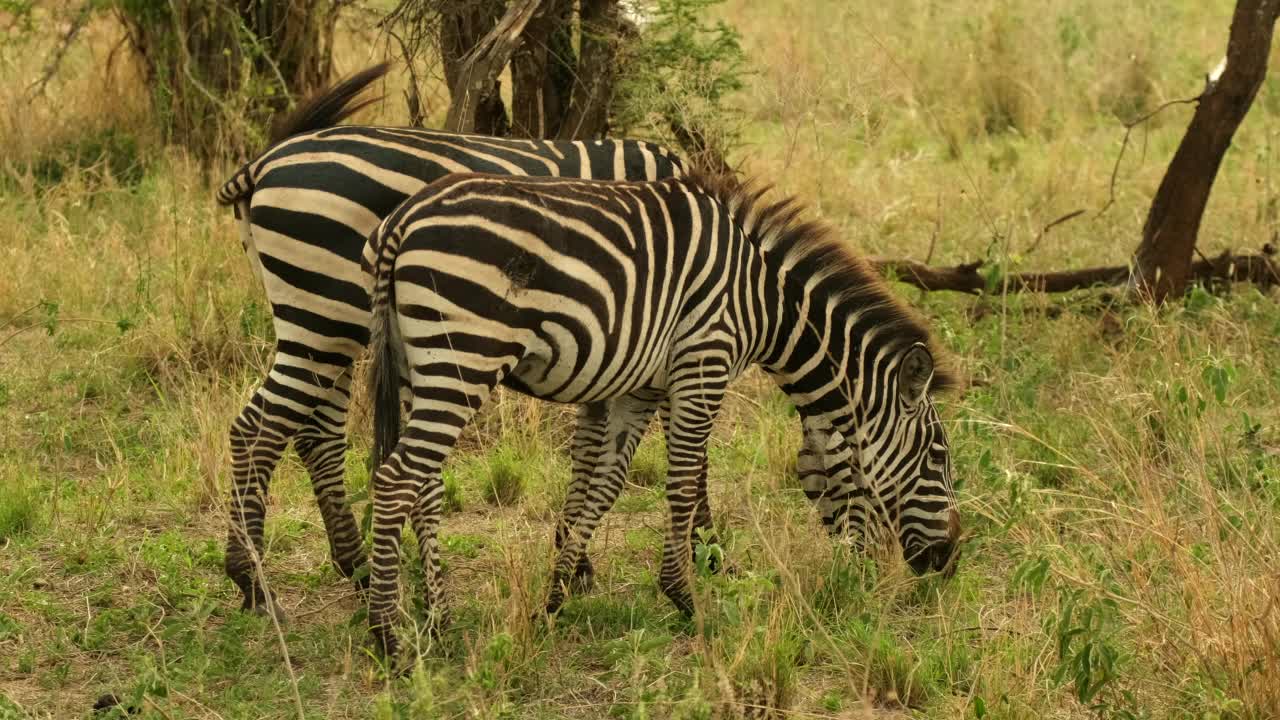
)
(818, 350)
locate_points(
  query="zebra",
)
(306, 206)
(308, 197)
(623, 297)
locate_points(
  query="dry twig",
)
(1128, 130)
(51, 68)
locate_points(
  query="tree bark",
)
(588, 114)
(542, 72)
(1261, 269)
(1162, 263)
(463, 26)
(473, 87)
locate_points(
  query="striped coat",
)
(306, 207)
(622, 297)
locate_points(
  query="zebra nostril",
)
(953, 527)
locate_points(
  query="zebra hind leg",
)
(256, 448)
(283, 405)
(585, 449)
(410, 485)
(425, 517)
(624, 425)
(322, 445)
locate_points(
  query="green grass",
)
(1118, 468)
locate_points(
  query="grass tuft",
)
(506, 478)
(19, 508)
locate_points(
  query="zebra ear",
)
(914, 373)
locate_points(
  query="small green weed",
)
(506, 478)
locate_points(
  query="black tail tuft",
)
(329, 106)
(387, 363)
(385, 390)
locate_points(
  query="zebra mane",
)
(781, 227)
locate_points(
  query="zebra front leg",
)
(255, 451)
(322, 445)
(832, 479)
(625, 421)
(694, 405)
(704, 529)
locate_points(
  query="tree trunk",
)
(475, 79)
(542, 72)
(1162, 263)
(588, 113)
(462, 27)
(206, 62)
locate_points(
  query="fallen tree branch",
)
(1261, 269)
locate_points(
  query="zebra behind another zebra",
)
(306, 207)
(621, 297)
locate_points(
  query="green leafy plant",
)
(676, 75)
(1088, 657)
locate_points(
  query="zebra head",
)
(904, 458)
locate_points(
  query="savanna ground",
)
(1118, 468)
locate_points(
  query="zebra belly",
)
(558, 376)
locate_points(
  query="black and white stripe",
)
(623, 297)
(307, 206)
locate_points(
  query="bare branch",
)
(1128, 130)
(1045, 230)
(481, 67)
(60, 52)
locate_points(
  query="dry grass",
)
(1120, 467)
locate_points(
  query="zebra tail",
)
(388, 363)
(324, 108)
(328, 107)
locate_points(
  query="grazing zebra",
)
(622, 297)
(306, 207)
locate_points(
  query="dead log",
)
(1261, 269)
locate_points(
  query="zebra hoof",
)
(679, 596)
(360, 580)
(265, 608)
(383, 643)
(552, 609)
(583, 580)
(684, 605)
